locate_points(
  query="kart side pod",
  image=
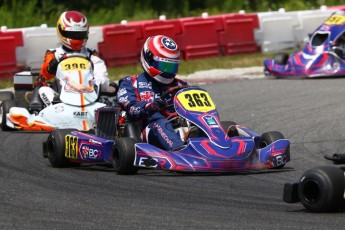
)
(320, 189)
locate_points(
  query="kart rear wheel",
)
(55, 147)
(281, 58)
(6, 105)
(6, 95)
(230, 128)
(123, 156)
(321, 189)
(268, 138)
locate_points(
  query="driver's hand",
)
(52, 67)
(155, 106)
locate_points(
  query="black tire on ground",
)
(56, 148)
(230, 128)
(6, 95)
(123, 156)
(321, 189)
(281, 58)
(5, 108)
(270, 137)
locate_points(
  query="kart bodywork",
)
(215, 150)
(322, 56)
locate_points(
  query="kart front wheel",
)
(270, 137)
(321, 189)
(6, 105)
(55, 148)
(123, 156)
(230, 128)
(281, 58)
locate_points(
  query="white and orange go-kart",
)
(73, 108)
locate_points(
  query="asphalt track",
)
(311, 113)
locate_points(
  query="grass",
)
(186, 67)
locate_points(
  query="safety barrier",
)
(199, 37)
(237, 34)
(9, 41)
(37, 40)
(120, 44)
(309, 21)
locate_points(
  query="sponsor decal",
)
(145, 85)
(210, 120)
(121, 92)
(147, 96)
(123, 99)
(89, 153)
(134, 110)
(59, 108)
(279, 160)
(45, 99)
(95, 142)
(71, 146)
(148, 162)
(80, 114)
(163, 134)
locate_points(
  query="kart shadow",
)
(106, 167)
(153, 172)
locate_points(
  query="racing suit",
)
(135, 92)
(48, 72)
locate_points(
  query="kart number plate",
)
(71, 150)
(196, 100)
(75, 64)
(335, 20)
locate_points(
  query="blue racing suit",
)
(134, 93)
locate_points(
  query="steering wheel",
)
(171, 90)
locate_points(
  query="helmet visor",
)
(165, 65)
(78, 35)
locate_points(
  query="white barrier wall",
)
(309, 21)
(281, 30)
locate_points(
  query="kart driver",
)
(72, 30)
(139, 95)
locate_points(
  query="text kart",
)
(216, 147)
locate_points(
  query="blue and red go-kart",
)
(322, 56)
(320, 189)
(210, 149)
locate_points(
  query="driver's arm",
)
(47, 68)
(129, 99)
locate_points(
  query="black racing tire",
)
(230, 128)
(6, 95)
(123, 156)
(55, 147)
(281, 58)
(6, 105)
(321, 189)
(270, 137)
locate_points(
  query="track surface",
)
(311, 113)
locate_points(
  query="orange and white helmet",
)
(73, 30)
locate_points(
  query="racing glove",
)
(52, 67)
(155, 106)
